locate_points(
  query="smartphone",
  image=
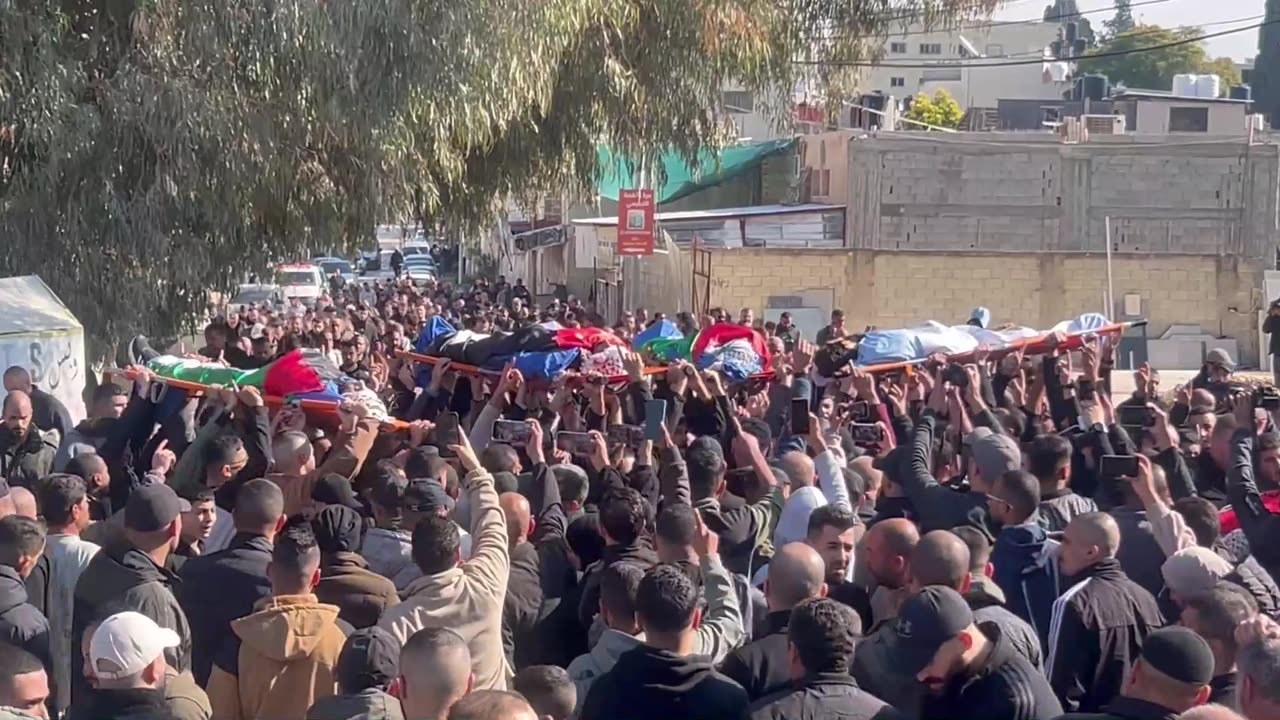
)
(799, 416)
(955, 374)
(655, 413)
(860, 411)
(512, 432)
(1267, 399)
(1119, 466)
(865, 434)
(574, 443)
(628, 435)
(1135, 416)
(447, 431)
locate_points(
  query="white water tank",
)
(1185, 85)
(1208, 86)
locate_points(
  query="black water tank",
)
(1094, 87)
(1240, 92)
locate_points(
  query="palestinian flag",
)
(297, 373)
(737, 351)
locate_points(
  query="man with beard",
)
(354, 363)
(47, 412)
(92, 469)
(886, 552)
(966, 669)
(25, 455)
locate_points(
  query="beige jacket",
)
(466, 599)
(288, 655)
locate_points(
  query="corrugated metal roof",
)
(721, 213)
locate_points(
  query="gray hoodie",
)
(603, 656)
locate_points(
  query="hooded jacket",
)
(652, 684)
(585, 669)
(23, 461)
(89, 436)
(1026, 571)
(219, 588)
(824, 696)
(121, 577)
(21, 625)
(362, 596)
(369, 704)
(1099, 625)
(286, 661)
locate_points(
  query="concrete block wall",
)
(1001, 192)
(894, 288)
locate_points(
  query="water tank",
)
(1094, 87)
(1208, 86)
(1184, 85)
(1240, 92)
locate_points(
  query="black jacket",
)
(763, 667)
(1008, 687)
(48, 413)
(938, 507)
(139, 704)
(1100, 623)
(219, 588)
(119, 578)
(652, 684)
(1125, 708)
(825, 696)
(1057, 509)
(1261, 527)
(1271, 326)
(21, 624)
(522, 606)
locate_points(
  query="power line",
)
(1010, 63)
(1144, 33)
(1002, 23)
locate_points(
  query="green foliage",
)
(1154, 69)
(941, 110)
(151, 150)
(1122, 21)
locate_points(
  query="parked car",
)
(328, 264)
(256, 295)
(300, 280)
(420, 268)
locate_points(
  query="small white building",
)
(955, 59)
(1157, 113)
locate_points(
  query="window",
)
(930, 48)
(898, 48)
(897, 82)
(738, 101)
(964, 52)
(1188, 119)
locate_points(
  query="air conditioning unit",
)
(1104, 124)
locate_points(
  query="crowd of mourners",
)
(999, 540)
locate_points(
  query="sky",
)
(1173, 13)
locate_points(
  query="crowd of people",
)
(1002, 539)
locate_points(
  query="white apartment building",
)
(954, 67)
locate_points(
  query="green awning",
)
(712, 168)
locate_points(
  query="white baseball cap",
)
(128, 642)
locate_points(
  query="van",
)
(300, 280)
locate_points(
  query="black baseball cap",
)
(152, 507)
(333, 489)
(928, 619)
(370, 658)
(1179, 653)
